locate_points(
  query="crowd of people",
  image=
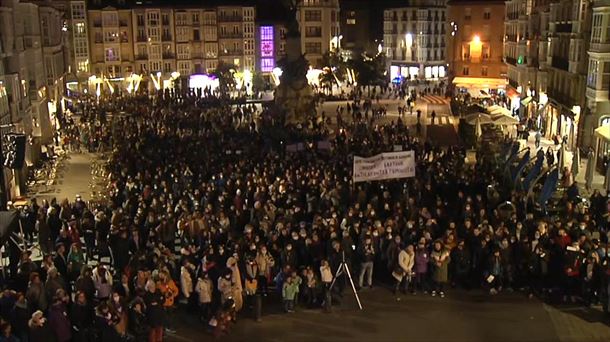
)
(209, 212)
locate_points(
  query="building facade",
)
(33, 66)
(598, 78)
(319, 25)
(358, 28)
(566, 66)
(475, 46)
(79, 45)
(415, 40)
(162, 41)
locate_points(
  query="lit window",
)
(267, 64)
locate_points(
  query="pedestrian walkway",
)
(441, 120)
(75, 179)
(435, 99)
(578, 324)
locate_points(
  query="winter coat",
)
(422, 259)
(290, 290)
(37, 297)
(405, 265)
(186, 282)
(58, 319)
(204, 289)
(326, 275)
(154, 309)
(138, 326)
(440, 262)
(41, 333)
(265, 263)
(226, 288)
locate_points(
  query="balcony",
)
(560, 63)
(141, 56)
(122, 23)
(600, 47)
(169, 55)
(141, 39)
(230, 53)
(562, 98)
(97, 23)
(596, 95)
(512, 16)
(511, 38)
(166, 38)
(510, 60)
(229, 18)
(563, 28)
(230, 35)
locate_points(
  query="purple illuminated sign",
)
(266, 46)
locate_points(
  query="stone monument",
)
(294, 96)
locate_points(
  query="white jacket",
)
(103, 289)
(325, 274)
(405, 262)
(204, 288)
(186, 282)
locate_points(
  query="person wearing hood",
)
(138, 325)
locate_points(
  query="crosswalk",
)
(441, 120)
(435, 99)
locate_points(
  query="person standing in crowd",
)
(367, 257)
(290, 291)
(40, 329)
(404, 271)
(422, 260)
(81, 317)
(440, 264)
(102, 280)
(155, 312)
(204, 289)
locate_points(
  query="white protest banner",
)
(389, 165)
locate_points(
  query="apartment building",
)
(32, 68)
(598, 81)
(79, 45)
(161, 40)
(521, 41)
(236, 36)
(475, 46)
(567, 61)
(415, 40)
(359, 25)
(111, 47)
(319, 26)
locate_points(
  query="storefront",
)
(476, 86)
(412, 71)
(559, 120)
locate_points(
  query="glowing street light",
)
(476, 39)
